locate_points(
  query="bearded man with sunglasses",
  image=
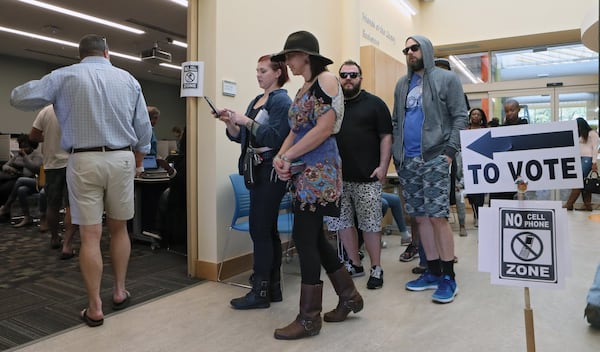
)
(429, 112)
(365, 143)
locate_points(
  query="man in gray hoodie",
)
(429, 112)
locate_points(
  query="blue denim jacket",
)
(273, 132)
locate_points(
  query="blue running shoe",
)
(426, 281)
(446, 290)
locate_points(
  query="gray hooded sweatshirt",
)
(444, 109)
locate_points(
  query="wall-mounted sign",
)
(229, 88)
(192, 79)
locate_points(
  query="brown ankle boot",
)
(308, 322)
(349, 298)
(572, 198)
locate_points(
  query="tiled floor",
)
(483, 317)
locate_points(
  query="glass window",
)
(471, 68)
(534, 108)
(552, 61)
(579, 104)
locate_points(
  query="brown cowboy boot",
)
(572, 199)
(349, 298)
(308, 322)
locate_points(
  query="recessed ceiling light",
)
(178, 43)
(181, 2)
(175, 67)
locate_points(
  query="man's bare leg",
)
(90, 262)
(427, 237)
(70, 228)
(120, 250)
(349, 238)
(373, 245)
(52, 224)
(444, 238)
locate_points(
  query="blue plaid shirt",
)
(96, 104)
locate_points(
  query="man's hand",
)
(448, 159)
(380, 173)
(165, 165)
(9, 169)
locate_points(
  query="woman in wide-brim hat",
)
(310, 159)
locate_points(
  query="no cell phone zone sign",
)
(524, 243)
(527, 245)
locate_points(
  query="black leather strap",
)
(99, 149)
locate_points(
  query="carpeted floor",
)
(41, 294)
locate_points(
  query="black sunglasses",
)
(414, 48)
(349, 74)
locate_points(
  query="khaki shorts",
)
(98, 182)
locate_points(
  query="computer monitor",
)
(149, 162)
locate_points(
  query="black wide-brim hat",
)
(304, 42)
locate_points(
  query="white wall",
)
(384, 25)
(453, 21)
(243, 31)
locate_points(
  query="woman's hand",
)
(225, 115)
(282, 167)
(231, 117)
(595, 167)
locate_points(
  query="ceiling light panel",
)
(61, 42)
(82, 16)
(181, 2)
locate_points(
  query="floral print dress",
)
(318, 188)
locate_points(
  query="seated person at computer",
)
(172, 203)
(17, 178)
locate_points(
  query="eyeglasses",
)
(352, 75)
(414, 48)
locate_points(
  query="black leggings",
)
(313, 248)
(265, 197)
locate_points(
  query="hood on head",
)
(426, 50)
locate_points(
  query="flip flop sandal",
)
(123, 304)
(92, 323)
(65, 256)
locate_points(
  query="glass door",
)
(574, 102)
(548, 105)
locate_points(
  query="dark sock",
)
(448, 268)
(435, 267)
